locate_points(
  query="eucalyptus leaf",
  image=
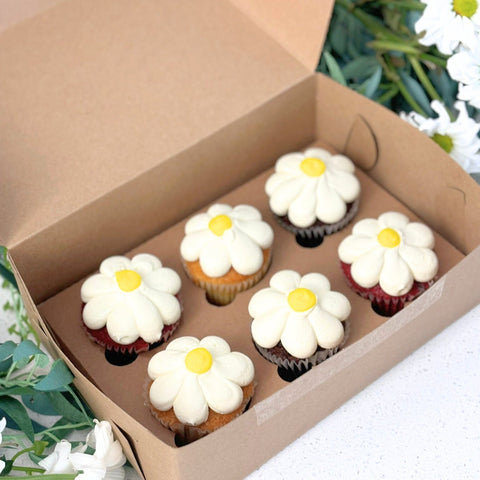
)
(57, 379)
(7, 349)
(40, 402)
(17, 412)
(5, 365)
(416, 91)
(373, 82)
(334, 69)
(16, 390)
(25, 350)
(360, 68)
(64, 408)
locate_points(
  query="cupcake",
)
(130, 306)
(196, 386)
(389, 260)
(298, 321)
(226, 250)
(313, 194)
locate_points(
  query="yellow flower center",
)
(301, 299)
(128, 280)
(444, 141)
(388, 238)
(219, 224)
(199, 360)
(465, 8)
(313, 167)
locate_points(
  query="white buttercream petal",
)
(215, 345)
(197, 223)
(328, 330)
(165, 362)
(298, 337)
(219, 209)
(98, 284)
(301, 211)
(267, 329)
(164, 280)
(190, 405)
(354, 246)
(148, 318)
(246, 213)
(285, 193)
(222, 395)
(193, 243)
(289, 163)
(260, 232)
(336, 304)
(366, 269)
(114, 264)
(144, 263)
(215, 258)
(344, 183)
(265, 300)
(167, 305)
(285, 281)
(319, 153)
(330, 206)
(419, 235)
(97, 309)
(234, 366)
(165, 389)
(396, 278)
(246, 256)
(316, 282)
(122, 325)
(368, 227)
(341, 162)
(395, 220)
(275, 180)
(183, 344)
(423, 262)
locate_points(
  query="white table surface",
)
(421, 420)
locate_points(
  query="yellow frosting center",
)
(389, 238)
(313, 167)
(198, 360)
(219, 224)
(301, 299)
(465, 8)
(128, 280)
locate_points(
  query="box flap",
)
(95, 93)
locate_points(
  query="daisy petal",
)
(167, 305)
(328, 329)
(275, 180)
(330, 206)
(336, 304)
(197, 223)
(301, 211)
(267, 329)
(260, 232)
(215, 345)
(285, 281)
(422, 262)
(366, 269)
(289, 163)
(246, 256)
(145, 263)
(285, 193)
(234, 366)
(98, 308)
(368, 227)
(165, 280)
(319, 153)
(419, 235)
(114, 264)
(148, 318)
(265, 300)
(183, 344)
(396, 278)
(214, 258)
(121, 325)
(394, 220)
(165, 362)
(220, 209)
(98, 284)
(341, 162)
(316, 282)
(165, 389)
(246, 213)
(344, 183)
(190, 405)
(298, 337)
(353, 247)
(193, 243)
(222, 395)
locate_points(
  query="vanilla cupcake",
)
(389, 260)
(131, 306)
(196, 386)
(313, 194)
(298, 321)
(226, 250)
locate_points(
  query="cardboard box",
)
(121, 118)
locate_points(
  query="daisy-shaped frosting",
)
(132, 298)
(301, 312)
(311, 186)
(447, 23)
(464, 67)
(226, 237)
(390, 251)
(193, 375)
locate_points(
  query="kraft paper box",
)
(119, 119)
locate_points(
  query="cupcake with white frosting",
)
(131, 305)
(313, 194)
(226, 250)
(389, 260)
(298, 321)
(196, 386)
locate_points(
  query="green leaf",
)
(417, 92)
(65, 408)
(17, 412)
(39, 446)
(360, 68)
(39, 402)
(334, 69)
(25, 350)
(373, 82)
(7, 349)
(16, 390)
(56, 380)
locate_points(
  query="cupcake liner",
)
(223, 294)
(382, 303)
(312, 236)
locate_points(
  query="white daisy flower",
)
(194, 375)
(59, 460)
(3, 424)
(447, 23)
(226, 237)
(132, 298)
(458, 138)
(310, 186)
(301, 312)
(464, 67)
(390, 251)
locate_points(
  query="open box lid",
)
(95, 93)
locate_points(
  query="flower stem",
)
(395, 46)
(50, 476)
(80, 405)
(424, 80)
(426, 57)
(28, 470)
